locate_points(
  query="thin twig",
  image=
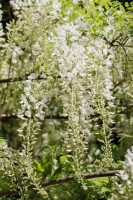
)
(15, 79)
(5, 117)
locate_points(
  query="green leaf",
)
(126, 4)
(120, 164)
(40, 168)
(63, 160)
(106, 6)
(96, 1)
(73, 16)
(122, 8)
(2, 140)
(110, 3)
(100, 181)
(101, 22)
(104, 189)
(97, 182)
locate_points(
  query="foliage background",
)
(27, 163)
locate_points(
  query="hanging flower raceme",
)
(84, 78)
(54, 6)
(127, 173)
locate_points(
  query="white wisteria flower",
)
(127, 173)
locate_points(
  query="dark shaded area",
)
(7, 12)
(8, 130)
(124, 1)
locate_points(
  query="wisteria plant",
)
(66, 100)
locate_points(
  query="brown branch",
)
(86, 176)
(21, 78)
(4, 117)
(63, 180)
(118, 84)
(10, 80)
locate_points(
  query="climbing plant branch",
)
(64, 180)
